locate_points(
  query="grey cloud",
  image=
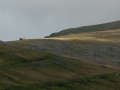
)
(38, 18)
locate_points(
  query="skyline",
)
(40, 18)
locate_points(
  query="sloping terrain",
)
(88, 60)
(24, 69)
(91, 28)
(100, 36)
(102, 47)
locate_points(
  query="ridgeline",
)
(92, 28)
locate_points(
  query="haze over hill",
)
(92, 28)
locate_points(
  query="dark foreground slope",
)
(92, 28)
(22, 69)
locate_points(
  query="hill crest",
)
(91, 28)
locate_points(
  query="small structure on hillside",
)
(22, 39)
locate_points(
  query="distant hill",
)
(99, 27)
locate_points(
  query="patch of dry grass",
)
(102, 36)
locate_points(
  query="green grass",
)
(100, 82)
(23, 69)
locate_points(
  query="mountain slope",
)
(106, 36)
(102, 47)
(92, 28)
(22, 69)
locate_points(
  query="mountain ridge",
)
(91, 28)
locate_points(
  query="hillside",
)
(101, 47)
(87, 60)
(22, 69)
(92, 28)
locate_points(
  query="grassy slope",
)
(101, 47)
(106, 44)
(98, 36)
(22, 69)
(92, 28)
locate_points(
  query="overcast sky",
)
(40, 18)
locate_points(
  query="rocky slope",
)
(23, 69)
(107, 54)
